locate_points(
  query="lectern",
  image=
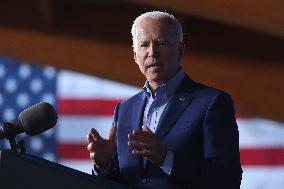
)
(20, 170)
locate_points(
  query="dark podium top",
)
(27, 171)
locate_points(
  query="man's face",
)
(158, 51)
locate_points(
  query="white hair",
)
(156, 15)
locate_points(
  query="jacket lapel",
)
(139, 106)
(176, 105)
(173, 110)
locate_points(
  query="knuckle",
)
(89, 147)
(92, 156)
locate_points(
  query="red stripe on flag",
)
(73, 151)
(263, 156)
(249, 157)
(87, 106)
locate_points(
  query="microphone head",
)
(37, 119)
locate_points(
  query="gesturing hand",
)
(101, 149)
(147, 144)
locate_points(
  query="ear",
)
(135, 56)
(181, 50)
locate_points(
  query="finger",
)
(90, 138)
(95, 134)
(146, 129)
(89, 147)
(139, 145)
(92, 156)
(141, 138)
(142, 134)
(92, 146)
(141, 153)
(112, 133)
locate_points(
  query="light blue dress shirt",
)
(155, 106)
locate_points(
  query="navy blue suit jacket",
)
(198, 125)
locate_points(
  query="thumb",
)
(146, 129)
(112, 133)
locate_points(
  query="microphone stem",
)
(13, 143)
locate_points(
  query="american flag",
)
(21, 86)
(83, 102)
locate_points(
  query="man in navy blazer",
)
(175, 133)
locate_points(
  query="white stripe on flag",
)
(263, 177)
(79, 86)
(74, 129)
(256, 132)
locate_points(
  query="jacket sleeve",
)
(220, 168)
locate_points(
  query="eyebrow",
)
(147, 41)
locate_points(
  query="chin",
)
(156, 79)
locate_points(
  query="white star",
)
(11, 85)
(36, 143)
(9, 114)
(49, 72)
(23, 100)
(24, 71)
(36, 85)
(2, 71)
(48, 97)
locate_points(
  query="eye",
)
(144, 45)
(161, 43)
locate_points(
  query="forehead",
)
(151, 29)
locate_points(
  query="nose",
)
(153, 50)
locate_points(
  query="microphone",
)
(34, 120)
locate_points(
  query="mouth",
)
(155, 65)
